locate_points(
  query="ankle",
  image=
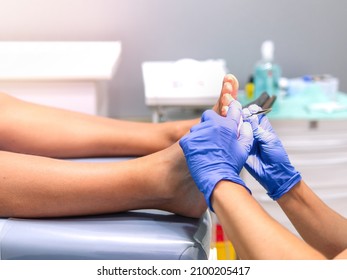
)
(177, 129)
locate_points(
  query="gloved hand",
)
(215, 150)
(268, 161)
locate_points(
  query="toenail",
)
(225, 110)
(228, 86)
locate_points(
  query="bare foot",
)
(183, 197)
(178, 191)
(229, 91)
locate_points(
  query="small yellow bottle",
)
(249, 89)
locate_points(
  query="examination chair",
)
(141, 235)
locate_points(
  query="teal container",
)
(267, 74)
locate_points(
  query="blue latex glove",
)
(215, 150)
(268, 161)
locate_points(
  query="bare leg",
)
(35, 186)
(40, 130)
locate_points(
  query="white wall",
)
(309, 35)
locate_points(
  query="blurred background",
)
(309, 35)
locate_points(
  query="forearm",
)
(252, 231)
(318, 224)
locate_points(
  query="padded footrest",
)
(143, 234)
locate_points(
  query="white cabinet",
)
(69, 75)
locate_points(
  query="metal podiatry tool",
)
(264, 101)
(262, 111)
